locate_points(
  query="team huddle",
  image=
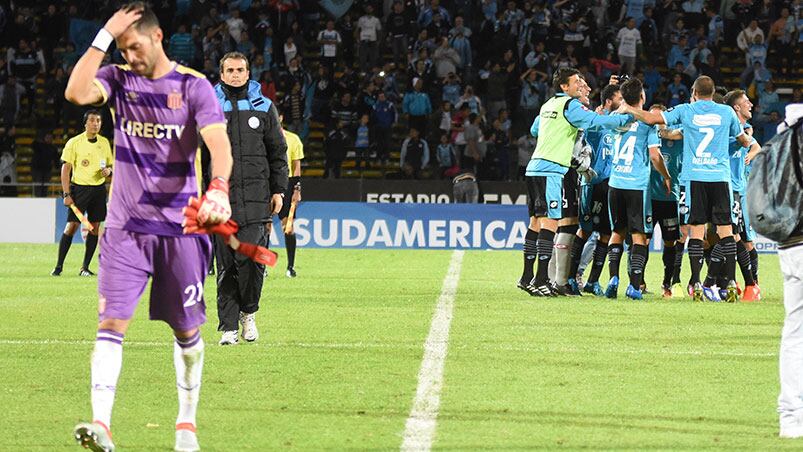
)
(617, 172)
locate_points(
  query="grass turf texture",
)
(337, 364)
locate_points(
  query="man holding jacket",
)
(256, 188)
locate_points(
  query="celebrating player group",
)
(617, 172)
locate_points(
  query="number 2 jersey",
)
(630, 165)
(707, 129)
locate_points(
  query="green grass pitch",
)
(337, 365)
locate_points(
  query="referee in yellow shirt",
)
(86, 163)
(295, 153)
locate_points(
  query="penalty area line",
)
(419, 430)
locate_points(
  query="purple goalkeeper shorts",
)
(178, 266)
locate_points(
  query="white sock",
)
(107, 360)
(563, 257)
(188, 357)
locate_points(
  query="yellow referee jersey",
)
(295, 149)
(87, 159)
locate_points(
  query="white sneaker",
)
(186, 440)
(228, 338)
(791, 427)
(95, 437)
(248, 321)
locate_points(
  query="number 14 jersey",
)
(630, 166)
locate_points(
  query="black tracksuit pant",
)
(239, 279)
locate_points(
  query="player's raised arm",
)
(534, 127)
(581, 117)
(755, 149)
(644, 116)
(81, 89)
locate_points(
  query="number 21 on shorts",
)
(195, 294)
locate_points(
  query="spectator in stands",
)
(384, 117)
(362, 143)
(678, 53)
(258, 66)
(180, 47)
(715, 27)
(235, 25)
(45, 156)
(757, 52)
(649, 30)
(293, 108)
(447, 159)
(497, 84)
(781, 41)
(445, 58)
(699, 54)
(8, 165)
(25, 65)
(745, 12)
(10, 94)
(335, 148)
(711, 69)
(533, 93)
(438, 27)
(398, 26)
(329, 39)
(538, 59)
(54, 93)
(416, 105)
(345, 27)
(451, 88)
(414, 154)
(444, 119)
(368, 28)
(678, 91)
(245, 46)
(425, 17)
(472, 101)
(472, 133)
(267, 86)
(768, 99)
(289, 50)
(628, 41)
(344, 112)
(747, 36)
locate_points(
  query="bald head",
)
(703, 87)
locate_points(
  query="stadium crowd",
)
(446, 85)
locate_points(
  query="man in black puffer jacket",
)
(256, 187)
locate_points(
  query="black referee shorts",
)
(288, 199)
(90, 200)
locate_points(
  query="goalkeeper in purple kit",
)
(160, 108)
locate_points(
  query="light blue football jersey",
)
(630, 165)
(707, 128)
(738, 167)
(672, 150)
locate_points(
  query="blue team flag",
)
(336, 8)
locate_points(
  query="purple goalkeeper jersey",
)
(156, 138)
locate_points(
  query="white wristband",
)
(103, 40)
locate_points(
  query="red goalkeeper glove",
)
(215, 207)
(192, 225)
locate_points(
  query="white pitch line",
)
(419, 431)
